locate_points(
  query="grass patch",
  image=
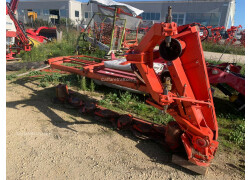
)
(56, 78)
(238, 134)
(52, 49)
(83, 84)
(120, 101)
(11, 77)
(125, 102)
(221, 48)
(231, 123)
(67, 47)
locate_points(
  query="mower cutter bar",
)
(164, 135)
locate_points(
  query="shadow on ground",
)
(224, 106)
(43, 101)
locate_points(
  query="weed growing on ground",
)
(52, 49)
(237, 135)
(56, 78)
(66, 47)
(11, 77)
(128, 102)
(222, 48)
(92, 85)
(35, 73)
(83, 85)
(228, 120)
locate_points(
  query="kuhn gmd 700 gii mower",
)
(183, 90)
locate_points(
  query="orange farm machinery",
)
(183, 90)
(111, 29)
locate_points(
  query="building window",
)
(20, 12)
(206, 19)
(150, 16)
(63, 13)
(45, 12)
(86, 15)
(37, 11)
(157, 16)
(76, 13)
(179, 18)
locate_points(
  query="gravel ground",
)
(231, 58)
(50, 141)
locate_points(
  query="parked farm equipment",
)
(42, 34)
(231, 34)
(111, 27)
(17, 38)
(216, 35)
(219, 33)
(182, 89)
(242, 39)
(226, 76)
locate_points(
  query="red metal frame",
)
(231, 34)
(35, 33)
(190, 101)
(228, 74)
(205, 32)
(13, 5)
(132, 42)
(118, 30)
(21, 40)
(215, 33)
(242, 39)
(119, 11)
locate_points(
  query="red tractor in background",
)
(42, 34)
(231, 34)
(17, 38)
(216, 35)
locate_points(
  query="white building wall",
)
(223, 10)
(42, 6)
(73, 7)
(68, 6)
(231, 13)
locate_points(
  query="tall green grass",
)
(222, 48)
(40, 22)
(66, 47)
(52, 49)
(124, 102)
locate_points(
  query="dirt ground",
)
(52, 141)
(231, 58)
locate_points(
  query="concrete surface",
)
(232, 58)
